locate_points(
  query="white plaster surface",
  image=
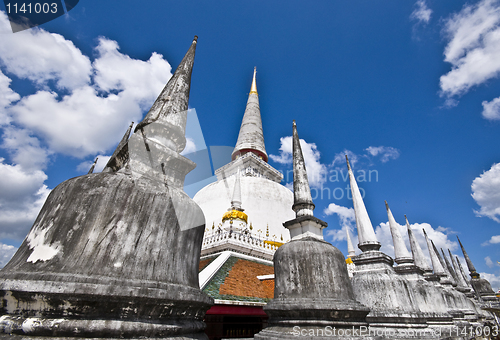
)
(264, 201)
(41, 250)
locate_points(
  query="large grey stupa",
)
(115, 254)
(313, 296)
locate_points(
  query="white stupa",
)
(246, 207)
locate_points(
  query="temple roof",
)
(240, 279)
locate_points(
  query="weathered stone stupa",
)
(115, 254)
(427, 297)
(482, 287)
(313, 296)
(459, 305)
(389, 296)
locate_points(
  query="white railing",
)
(216, 238)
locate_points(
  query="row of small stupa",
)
(115, 255)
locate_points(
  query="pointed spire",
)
(236, 201)
(253, 90)
(460, 279)
(350, 247)
(302, 199)
(251, 136)
(449, 266)
(443, 264)
(418, 255)
(121, 151)
(446, 265)
(366, 235)
(462, 271)
(472, 269)
(436, 264)
(401, 254)
(93, 166)
(172, 104)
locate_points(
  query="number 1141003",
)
(30, 8)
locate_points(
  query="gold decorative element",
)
(251, 228)
(348, 260)
(267, 232)
(213, 225)
(274, 243)
(281, 237)
(253, 90)
(234, 214)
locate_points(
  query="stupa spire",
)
(472, 269)
(436, 263)
(251, 136)
(401, 254)
(302, 199)
(305, 224)
(253, 89)
(93, 166)
(449, 266)
(366, 235)
(172, 104)
(418, 255)
(460, 279)
(350, 248)
(462, 271)
(120, 155)
(236, 201)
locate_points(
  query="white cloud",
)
(439, 236)
(383, 233)
(6, 253)
(493, 279)
(386, 153)
(491, 110)
(473, 49)
(489, 262)
(41, 57)
(347, 220)
(102, 97)
(80, 108)
(316, 171)
(22, 194)
(190, 146)
(422, 13)
(346, 215)
(24, 149)
(86, 122)
(493, 240)
(486, 193)
(340, 162)
(364, 161)
(7, 96)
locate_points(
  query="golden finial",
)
(251, 228)
(253, 90)
(267, 231)
(281, 237)
(213, 225)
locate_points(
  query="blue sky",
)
(409, 90)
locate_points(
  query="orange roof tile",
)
(242, 280)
